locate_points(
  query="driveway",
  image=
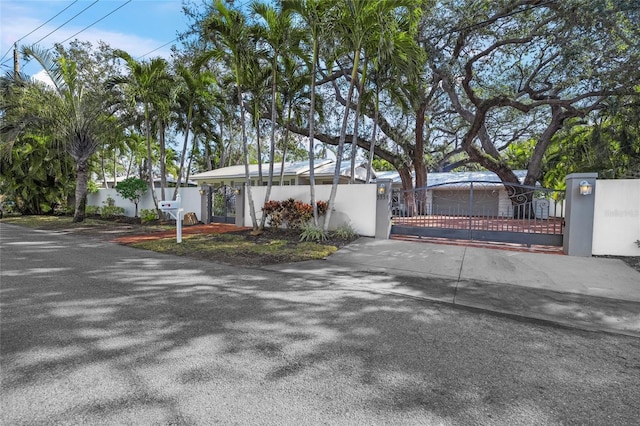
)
(98, 333)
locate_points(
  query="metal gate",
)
(481, 211)
(221, 207)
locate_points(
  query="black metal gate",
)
(222, 204)
(482, 211)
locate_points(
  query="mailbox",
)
(169, 205)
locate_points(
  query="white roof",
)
(323, 168)
(290, 169)
(444, 178)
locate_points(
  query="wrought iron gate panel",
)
(222, 204)
(481, 210)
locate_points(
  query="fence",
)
(616, 222)
(190, 200)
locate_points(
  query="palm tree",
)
(278, 33)
(228, 30)
(192, 96)
(141, 85)
(313, 13)
(74, 116)
(353, 21)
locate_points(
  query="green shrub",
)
(346, 232)
(148, 215)
(110, 209)
(92, 210)
(311, 232)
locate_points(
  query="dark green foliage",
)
(132, 189)
(36, 175)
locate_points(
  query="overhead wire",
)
(92, 24)
(157, 48)
(67, 21)
(42, 25)
(176, 39)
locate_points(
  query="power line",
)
(33, 31)
(89, 26)
(66, 22)
(158, 48)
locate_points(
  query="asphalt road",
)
(97, 333)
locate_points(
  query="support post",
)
(205, 197)
(383, 208)
(579, 213)
(240, 205)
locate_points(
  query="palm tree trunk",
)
(374, 135)
(312, 117)
(149, 161)
(286, 144)
(163, 157)
(354, 141)
(184, 151)
(82, 177)
(245, 151)
(343, 132)
(272, 142)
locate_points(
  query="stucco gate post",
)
(205, 199)
(579, 213)
(383, 208)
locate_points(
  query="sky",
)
(138, 27)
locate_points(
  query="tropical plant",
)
(68, 111)
(281, 37)
(132, 189)
(228, 31)
(142, 86)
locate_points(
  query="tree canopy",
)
(416, 85)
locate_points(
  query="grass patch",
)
(89, 224)
(239, 249)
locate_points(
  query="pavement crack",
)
(455, 291)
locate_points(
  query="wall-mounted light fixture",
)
(585, 188)
(382, 189)
(202, 191)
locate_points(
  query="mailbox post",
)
(175, 209)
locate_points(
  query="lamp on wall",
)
(382, 189)
(202, 191)
(585, 188)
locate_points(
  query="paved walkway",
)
(588, 293)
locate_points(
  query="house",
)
(295, 173)
(480, 193)
(171, 181)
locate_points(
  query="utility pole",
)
(16, 62)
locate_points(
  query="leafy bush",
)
(92, 210)
(132, 189)
(311, 232)
(148, 215)
(295, 214)
(110, 209)
(346, 232)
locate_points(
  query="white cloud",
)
(43, 77)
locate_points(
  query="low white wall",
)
(190, 200)
(616, 222)
(355, 204)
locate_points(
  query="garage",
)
(457, 201)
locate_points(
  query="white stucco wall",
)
(355, 204)
(616, 222)
(190, 200)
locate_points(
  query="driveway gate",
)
(221, 207)
(482, 211)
